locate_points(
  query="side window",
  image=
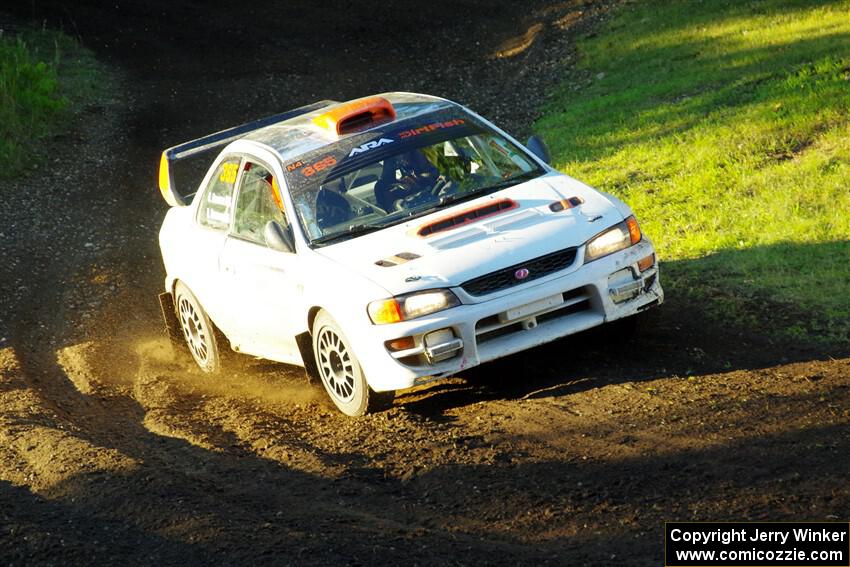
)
(257, 203)
(214, 210)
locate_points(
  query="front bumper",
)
(510, 321)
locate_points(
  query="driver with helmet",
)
(403, 176)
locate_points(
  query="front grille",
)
(506, 277)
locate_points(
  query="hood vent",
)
(397, 259)
(467, 216)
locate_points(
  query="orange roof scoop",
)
(355, 115)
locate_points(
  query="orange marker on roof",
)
(349, 116)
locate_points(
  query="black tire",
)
(340, 371)
(202, 338)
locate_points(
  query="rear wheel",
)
(198, 330)
(340, 371)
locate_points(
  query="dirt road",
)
(112, 450)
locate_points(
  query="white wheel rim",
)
(194, 330)
(336, 366)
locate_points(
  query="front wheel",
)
(340, 372)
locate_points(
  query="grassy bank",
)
(726, 125)
(42, 74)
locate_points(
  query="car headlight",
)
(411, 306)
(618, 237)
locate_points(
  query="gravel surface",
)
(113, 449)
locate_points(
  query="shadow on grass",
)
(793, 293)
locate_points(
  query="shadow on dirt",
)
(227, 504)
(618, 506)
(42, 530)
(149, 496)
(684, 337)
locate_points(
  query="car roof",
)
(296, 136)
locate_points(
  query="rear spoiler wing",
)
(212, 141)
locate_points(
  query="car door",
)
(263, 287)
(207, 237)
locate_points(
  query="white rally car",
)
(389, 240)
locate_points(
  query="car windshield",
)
(377, 179)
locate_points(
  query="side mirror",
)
(539, 148)
(278, 238)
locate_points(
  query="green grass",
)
(726, 126)
(42, 74)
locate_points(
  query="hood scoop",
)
(397, 259)
(513, 221)
(467, 216)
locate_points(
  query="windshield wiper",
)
(350, 232)
(360, 229)
(459, 197)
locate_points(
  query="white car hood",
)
(451, 257)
